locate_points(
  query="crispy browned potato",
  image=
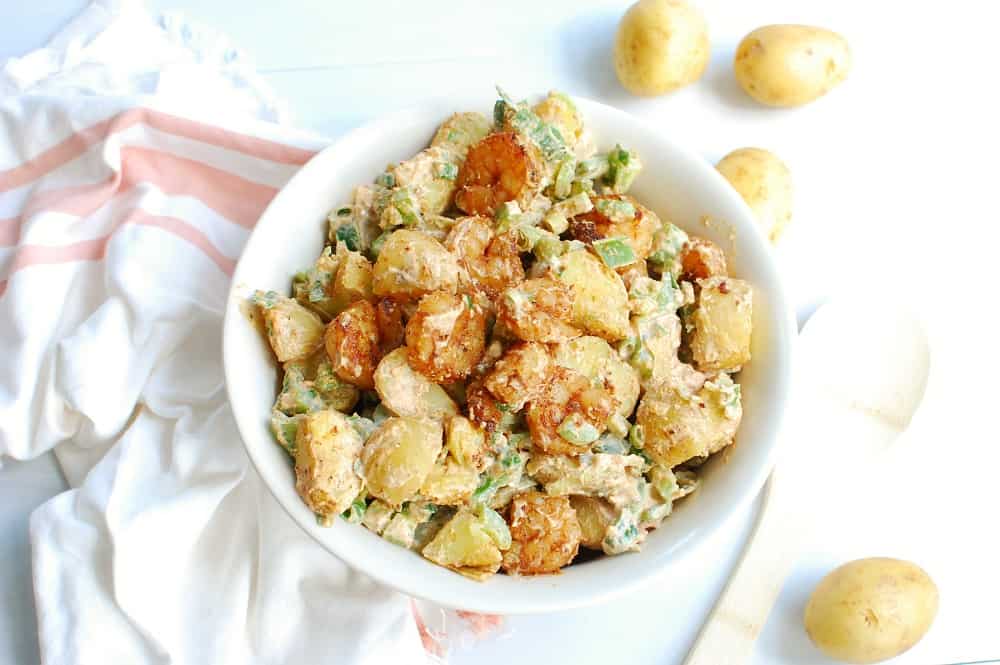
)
(492, 263)
(539, 310)
(351, 342)
(327, 447)
(446, 336)
(483, 407)
(545, 534)
(565, 393)
(389, 317)
(502, 167)
(701, 259)
(519, 375)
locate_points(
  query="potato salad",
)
(501, 357)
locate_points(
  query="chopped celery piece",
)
(563, 183)
(377, 244)
(348, 234)
(577, 431)
(555, 221)
(446, 170)
(363, 426)
(530, 237)
(485, 491)
(344, 212)
(494, 525)
(615, 252)
(611, 444)
(285, 429)
(548, 246)
(407, 206)
(615, 210)
(575, 205)
(583, 187)
(637, 437)
(623, 167)
(297, 394)
(356, 511)
(592, 168)
(387, 180)
(622, 535)
(666, 250)
(618, 425)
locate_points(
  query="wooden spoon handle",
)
(732, 628)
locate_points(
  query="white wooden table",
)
(894, 184)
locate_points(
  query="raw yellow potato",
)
(600, 306)
(398, 457)
(678, 424)
(326, 446)
(765, 183)
(871, 610)
(407, 392)
(596, 360)
(465, 545)
(660, 46)
(722, 324)
(411, 264)
(791, 65)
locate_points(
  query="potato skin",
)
(870, 610)
(791, 65)
(660, 46)
(765, 183)
(545, 534)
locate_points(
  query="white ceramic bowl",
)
(677, 184)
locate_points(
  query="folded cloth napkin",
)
(137, 156)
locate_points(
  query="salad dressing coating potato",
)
(701, 259)
(791, 65)
(595, 516)
(502, 167)
(407, 392)
(723, 321)
(293, 331)
(326, 447)
(660, 46)
(600, 304)
(466, 546)
(466, 443)
(450, 483)
(765, 183)
(446, 336)
(559, 111)
(608, 476)
(352, 282)
(545, 534)
(352, 345)
(460, 131)
(678, 424)
(565, 395)
(539, 310)
(871, 610)
(638, 230)
(399, 456)
(425, 176)
(412, 264)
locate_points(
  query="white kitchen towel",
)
(135, 158)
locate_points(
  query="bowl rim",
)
(410, 584)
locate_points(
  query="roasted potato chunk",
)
(352, 282)
(678, 424)
(637, 230)
(412, 264)
(446, 336)
(519, 375)
(595, 359)
(569, 413)
(398, 457)
(326, 447)
(600, 304)
(722, 325)
(492, 263)
(352, 344)
(407, 392)
(465, 545)
(293, 331)
(391, 329)
(595, 516)
(559, 111)
(466, 442)
(701, 259)
(545, 534)
(539, 310)
(460, 131)
(450, 483)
